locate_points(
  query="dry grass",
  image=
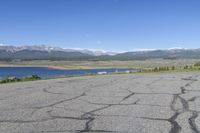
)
(103, 64)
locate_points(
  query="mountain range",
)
(43, 52)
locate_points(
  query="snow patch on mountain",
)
(10, 48)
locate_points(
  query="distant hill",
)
(165, 54)
(42, 55)
(42, 52)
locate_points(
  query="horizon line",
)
(93, 49)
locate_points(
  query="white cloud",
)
(2, 44)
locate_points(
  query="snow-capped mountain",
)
(43, 52)
(93, 52)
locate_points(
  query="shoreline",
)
(66, 67)
(109, 74)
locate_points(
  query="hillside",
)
(42, 52)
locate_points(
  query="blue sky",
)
(117, 25)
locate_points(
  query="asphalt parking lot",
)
(126, 103)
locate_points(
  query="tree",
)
(173, 67)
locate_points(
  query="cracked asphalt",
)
(126, 103)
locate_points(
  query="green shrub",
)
(30, 78)
(186, 67)
(197, 64)
(15, 79)
(10, 79)
(173, 67)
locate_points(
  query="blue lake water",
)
(45, 72)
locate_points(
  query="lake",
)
(45, 72)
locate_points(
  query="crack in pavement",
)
(47, 91)
(183, 90)
(192, 123)
(90, 115)
(154, 81)
(78, 131)
(62, 101)
(24, 121)
(190, 78)
(175, 127)
(56, 103)
(112, 104)
(126, 97)
(192, 99)
(178, 106)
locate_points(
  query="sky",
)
(114, 25)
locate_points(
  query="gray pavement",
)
(129, 103)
